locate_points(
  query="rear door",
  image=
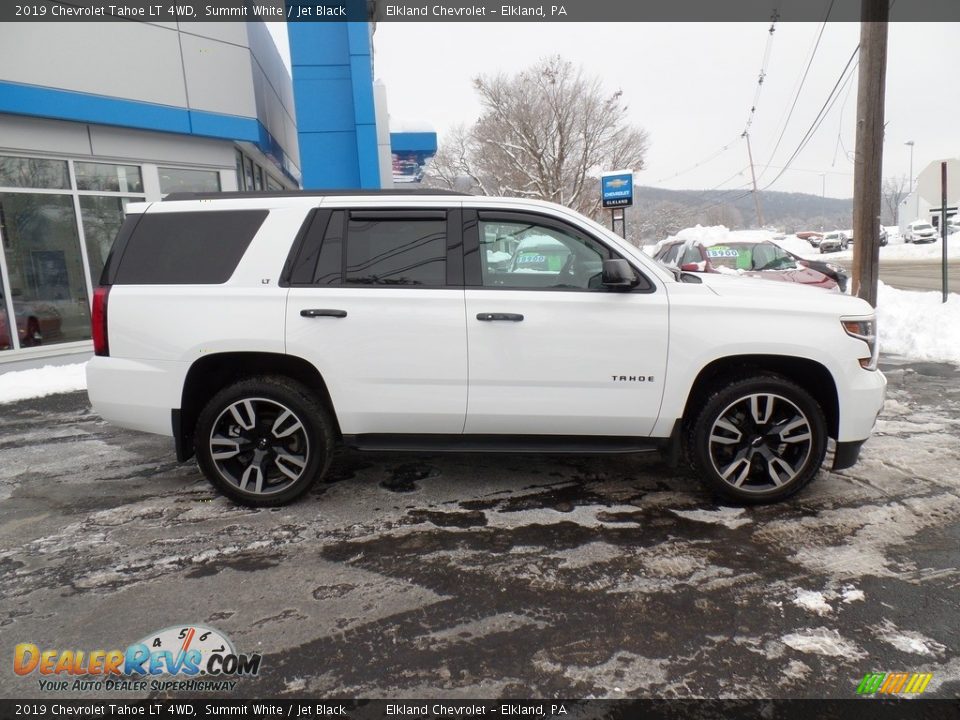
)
(552, 351)
(376, 303)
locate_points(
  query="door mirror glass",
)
(618, 274)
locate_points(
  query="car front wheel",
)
(264, 441)
(758, 440)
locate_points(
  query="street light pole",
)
(910, 143)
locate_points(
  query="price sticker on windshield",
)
(722, 252)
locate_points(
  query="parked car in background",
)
(811, 237)
(883, 237)
(835, 272)
(920, 231)
(834, 241)
(761, 259)
(34, 321)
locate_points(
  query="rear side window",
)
(185, 248)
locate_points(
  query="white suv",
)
(920, 231)
(261, 331)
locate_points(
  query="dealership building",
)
(97, 115)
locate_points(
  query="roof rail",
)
(302, 193)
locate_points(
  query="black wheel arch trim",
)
(846, 454)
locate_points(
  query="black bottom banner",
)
(309, 709)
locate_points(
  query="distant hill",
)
(657, 212)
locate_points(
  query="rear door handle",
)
(509, 317)
(323, 312)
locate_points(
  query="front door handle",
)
(323, 312)
(509, 317)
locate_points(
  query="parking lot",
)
(486, 576)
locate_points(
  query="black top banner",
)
(468, 11)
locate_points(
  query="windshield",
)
(750, 256)
(923, 226)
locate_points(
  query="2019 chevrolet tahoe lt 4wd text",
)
(262, 330)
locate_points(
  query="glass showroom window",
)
(182, 180)
(102, 217)
(44, 279)
(47, 284)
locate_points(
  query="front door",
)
(552, 351)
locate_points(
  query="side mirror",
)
(618, 274)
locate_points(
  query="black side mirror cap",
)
(618, 274)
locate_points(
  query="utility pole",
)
(868, 162)
(753, 174)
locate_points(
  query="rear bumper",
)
(135, 394)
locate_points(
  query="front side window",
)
(396, 251)
(529, 255)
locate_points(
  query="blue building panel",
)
(336, 116)
(323, 106)
(304, 50)
(333, 160)
(48, 102)
(414, 142)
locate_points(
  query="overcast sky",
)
(691, 86)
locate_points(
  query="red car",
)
(754, 259)
(35, 321)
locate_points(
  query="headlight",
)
(865, 330)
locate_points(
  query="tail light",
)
(98, 320)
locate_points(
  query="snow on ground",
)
(895, 250)
(50, 379)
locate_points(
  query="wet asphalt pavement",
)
(467, 576)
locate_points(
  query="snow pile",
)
(812, 601)
(895, 250)
(917, 325)
(728, 517)
(823, 641)
(39, 382)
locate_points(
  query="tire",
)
(275, 439)
(746, 443)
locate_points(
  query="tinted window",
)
(396, 251)
(330, 265)
(201, 248)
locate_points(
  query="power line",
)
(840, 126)
(799, 90)
(818, 120)
(763, 71)
(715, 155)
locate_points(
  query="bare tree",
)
(544, 133)
(893, 192)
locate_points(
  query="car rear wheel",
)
(264, 441)
(758, 440)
